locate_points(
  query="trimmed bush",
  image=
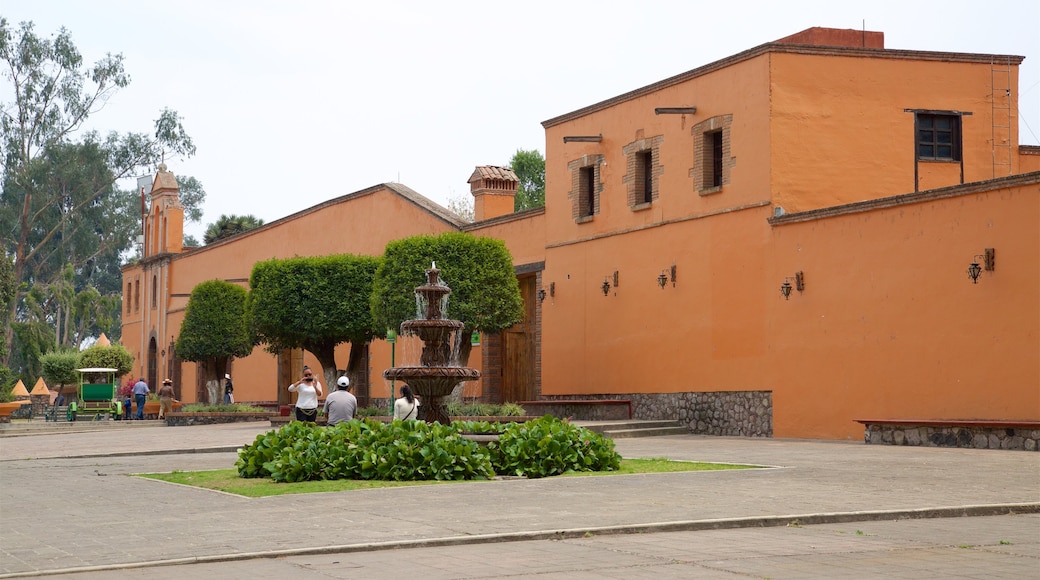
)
(548, 446)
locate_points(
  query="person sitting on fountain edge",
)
(340, 405)
(407, 407)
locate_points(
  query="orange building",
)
(858, 180)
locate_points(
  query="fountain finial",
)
(433, 264)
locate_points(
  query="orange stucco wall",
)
(888, 326)
(333, 227)
(841, 131)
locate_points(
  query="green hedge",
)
(366, 449)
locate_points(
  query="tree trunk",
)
(327, 359)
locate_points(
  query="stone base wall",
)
(964, 437)
(739, 413)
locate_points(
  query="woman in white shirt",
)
(407, 407)
(307, 390)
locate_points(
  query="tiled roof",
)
(493, 172)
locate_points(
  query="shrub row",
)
(415, 450)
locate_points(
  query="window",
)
(586, 187)
(713, 141)
(137, 295)
(938, 137)
(155, 291)
(129, 296)
(646, 166)
(711, 154)
(643, 165)
(588, 191)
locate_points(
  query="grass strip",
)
(227, 480)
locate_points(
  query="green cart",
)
(97, 395)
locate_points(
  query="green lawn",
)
(227, 480)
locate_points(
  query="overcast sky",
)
(293, 103)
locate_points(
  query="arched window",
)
(155, 291)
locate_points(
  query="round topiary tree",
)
(215, 330)
(111, 356)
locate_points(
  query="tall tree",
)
(485, 295)
(229, 225)
(54, 93)
(215, 330)
(315, 304)
(529, 167)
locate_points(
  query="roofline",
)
(509, 217)
(769, 47)
(402, 190)
(908, 198)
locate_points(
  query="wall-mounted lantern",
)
(799, 284)
(605, 287)
(541, 294)
(662, 279)
(988, 261)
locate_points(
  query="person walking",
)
(407, 407)
(307, 390)
(229, 390)
(341, 405)
(140, 396)
(165, 398)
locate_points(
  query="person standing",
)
(341, 405)
(307, 390)
(140, 396)
(165, 398)
(407, 407)
(229, 390)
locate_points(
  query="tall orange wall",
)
(890, 326)
(741, 90)
(841, 133)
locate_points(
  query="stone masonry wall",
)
(740, 413)
(965, 437)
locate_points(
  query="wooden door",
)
(518, 350)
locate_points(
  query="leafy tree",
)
(485, 295)
(111, 356)
(229, 225)
(58, 192)
(529, 167)
(215, 330)
(59, 367)
(316, 304)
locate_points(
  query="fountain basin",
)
(432, 381)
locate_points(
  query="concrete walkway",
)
(72, 507)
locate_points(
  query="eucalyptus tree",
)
(58, 191)
(315, 303)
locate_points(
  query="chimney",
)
(494, 191)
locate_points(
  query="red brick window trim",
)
(643, 172)
(712, 154)
(586, 187)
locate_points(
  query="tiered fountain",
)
(435, 377)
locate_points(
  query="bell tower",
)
(164, 223)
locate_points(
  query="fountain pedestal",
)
(435, 377)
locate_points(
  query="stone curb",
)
(220, 449)
(574, 533)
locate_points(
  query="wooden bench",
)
(965, 433)
(581, 409)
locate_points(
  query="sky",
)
(294, 103)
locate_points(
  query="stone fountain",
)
(435, 377)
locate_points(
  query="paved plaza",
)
(823, 509)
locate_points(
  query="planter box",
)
(176, 419)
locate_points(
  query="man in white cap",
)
(341, 405)
(229, 390)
